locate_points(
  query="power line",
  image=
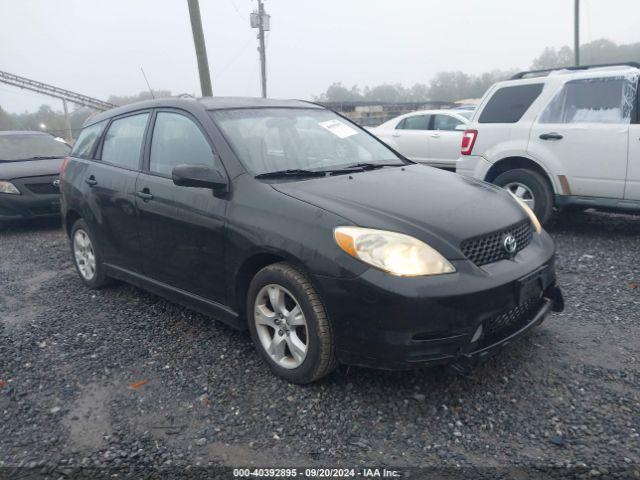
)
(233, 60)
(235, 7)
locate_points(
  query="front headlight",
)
(527, 209)
(392, 252)
(8, 187)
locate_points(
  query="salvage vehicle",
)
(29, 169)
(287, 219)
(563, 138)
(431, 137)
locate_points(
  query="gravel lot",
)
(120, 378)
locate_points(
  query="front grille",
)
(45, 210)
(40, 188)
(510, 321)
(489, 248)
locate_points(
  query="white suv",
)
(560, 138)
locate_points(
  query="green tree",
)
(339, 93)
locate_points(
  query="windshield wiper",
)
(47, 157)
(373, 166)
(296, 172)
(363, 166)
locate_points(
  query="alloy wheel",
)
(523, 192)
(84, 255)
(281, 326)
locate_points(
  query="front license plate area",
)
(532, 285)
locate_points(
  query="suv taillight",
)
(468, 140)
(63, 166)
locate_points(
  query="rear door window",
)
(445, 122)
(509, 104)
(417, 122)
(593, 100)
(177, 140)
(123, 141)
(86, 142)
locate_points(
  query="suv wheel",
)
(530, 187)
(86, 257)
(289, 325)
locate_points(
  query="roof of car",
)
(563, 75)
(22, 132)
(449, 111)
(208, 103)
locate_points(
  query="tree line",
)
(52, 121)
(457, 85)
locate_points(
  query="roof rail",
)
(539, 73)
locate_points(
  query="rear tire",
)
(289, 324)
(537, 186)
(86, 256)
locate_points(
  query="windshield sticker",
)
(339, 129)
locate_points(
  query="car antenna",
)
(148, 86)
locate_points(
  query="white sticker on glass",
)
(339, 129)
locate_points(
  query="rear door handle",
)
(91, 181)
(551, 136)
(145, 195)
(435, 135)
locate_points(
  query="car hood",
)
(436, 206)
(29, 168)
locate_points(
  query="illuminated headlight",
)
(392, 252)
(527, 209)
(8, 187)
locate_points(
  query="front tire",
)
(532, 188)
(86, 257)
(289, 324)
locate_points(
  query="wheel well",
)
(247, 271)
(71, 217)
(511, 163)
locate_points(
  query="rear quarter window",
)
(86, 142)
(509, 104)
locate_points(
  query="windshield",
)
(29, 146)
(277, 139)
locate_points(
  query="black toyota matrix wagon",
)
(287, 219)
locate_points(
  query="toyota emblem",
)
(509, 243)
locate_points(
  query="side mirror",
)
(201, 176)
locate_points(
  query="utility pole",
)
(576, 32)
(201, 49)
(66, 120)
(262, 22)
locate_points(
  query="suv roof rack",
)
(539, 73)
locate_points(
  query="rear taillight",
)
(63, 166)
(468, 140)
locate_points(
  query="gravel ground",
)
(120, 378)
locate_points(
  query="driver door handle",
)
(395, 134)
(145, 195)
(551, 136)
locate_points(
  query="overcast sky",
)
(97, 47)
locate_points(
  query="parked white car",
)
(425, 136)
(560, 138)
